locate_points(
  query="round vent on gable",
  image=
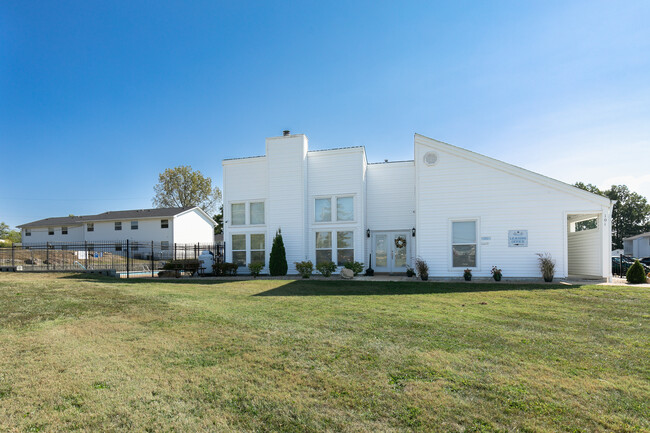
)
(430, 158)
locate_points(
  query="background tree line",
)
(631, 215)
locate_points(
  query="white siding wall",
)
(585, 254)
(148, 230)
(192, 227)
(391, 196)
(39, 235)
(337, 173)
(286, 158)
(641, 247)
(459, 188)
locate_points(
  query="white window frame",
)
(450, 231)
(334, 247)
(116, 225)
(28, 232)
(64, 230)
(50, 231)
(249, 247)
(334, 209)
(337, 246)
(164, 245)
(230, 212)
(250, 214)
(233, 250)
(90, 227)
(247, 212)
(330, 248)
(164, 224)
(137, 225)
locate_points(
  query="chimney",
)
(286, 132)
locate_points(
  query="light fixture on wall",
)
(413, 232)
(368, 233)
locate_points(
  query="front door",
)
(390, 251)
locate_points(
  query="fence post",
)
(151, 259)
(47, 255)
(127, 258)
(174, 250)
(13, 260)
(86, 248)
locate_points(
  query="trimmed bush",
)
(225, 269)
(636, 273)
(255, 268)
(190, 265)
(326, 268)
(305, 268)
(356, 267)
(278, 259)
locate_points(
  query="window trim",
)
(247, 213)
(337, 246)
(231, 213)
(164, 245)
(166, 222)
(330, 248)
(137, 225)
(233, 250)
(90, 227)
(50, 231)
(450, 232)
(28, 232)
(334, 247)
(249, 249)
(334, 219)
(250, 214)
(115, 226)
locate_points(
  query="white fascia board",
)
(241, 160)
(513, 169)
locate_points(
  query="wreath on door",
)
(400, 242)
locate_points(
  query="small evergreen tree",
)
(278, 259)
(636, 274)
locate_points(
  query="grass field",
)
(99, 354)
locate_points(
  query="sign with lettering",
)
(517, 238)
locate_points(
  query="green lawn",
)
(100, 354)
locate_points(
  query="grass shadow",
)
(143, 280)
(361, 288)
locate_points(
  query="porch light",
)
(368, 233)
(413, 232)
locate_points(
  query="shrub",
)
(278, 259)
(305, 268)
(225, 268)
(546, 266)
(636, 273)
(326, 268)
(496, 273)
(422, 268)
(190, 265)
(255, 268)
(409, 271)
(355, 267)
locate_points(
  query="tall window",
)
(164, 245)
(463, 244)
(257, 212)
(90, 227)
(344, 247)
(28, 232)
(118, 225)
(50, 231)
(323, 247)
(239, 249)
(258, 251)
(164, 224)
(64, 230)
(134, 225)
(345, 209)
(118, 246)
(323, 208)
(238, 214)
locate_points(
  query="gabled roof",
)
(513, 169)
(642, 235)
(107, 216)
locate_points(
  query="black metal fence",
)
(130, 257)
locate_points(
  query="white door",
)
(391, 251)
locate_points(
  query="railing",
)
(122, 256)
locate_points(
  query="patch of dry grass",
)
(99, 354)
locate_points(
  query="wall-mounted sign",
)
(517, 238)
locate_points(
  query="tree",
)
(218, 218)
(278, 259)
(631, 214)
(12, 236)
(183, 187)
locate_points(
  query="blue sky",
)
(97, 98)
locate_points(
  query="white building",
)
(452, 207)
(637, 246)
(165, 226)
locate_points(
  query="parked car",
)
(645, 261)
(627, 262)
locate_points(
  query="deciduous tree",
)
(183, 187)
